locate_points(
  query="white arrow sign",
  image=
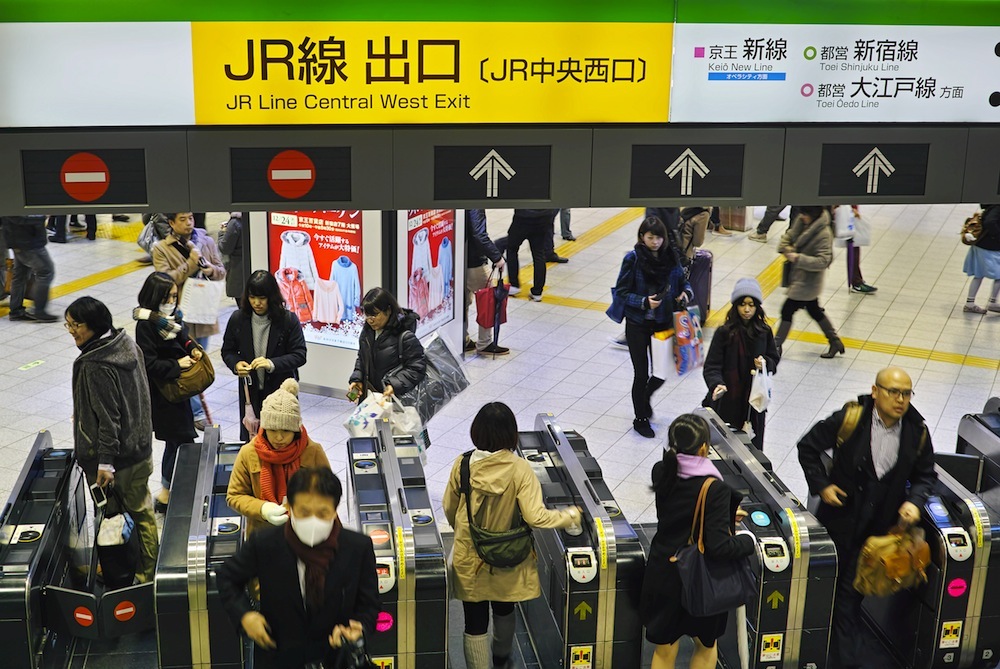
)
(874, 163)
(492, 165)
(687, 165)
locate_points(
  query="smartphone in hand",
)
(100, 497)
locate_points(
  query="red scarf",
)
(317, 560)
(277, 466)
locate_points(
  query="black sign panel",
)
(873, 169)
(315, 174)
(678, 170)
(92, 176)
(492, 172)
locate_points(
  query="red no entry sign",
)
(291, 174)
(124, 611)
(85, 177)
(83, 616)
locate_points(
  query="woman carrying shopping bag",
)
(808, 246)
(650, 285)
(502, 486)
(744, 343)
(390, 357)
(263, 343)
(263, 467)
(677, 481)
(167, 348)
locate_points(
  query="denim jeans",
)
(39, 263)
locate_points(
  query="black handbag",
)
(710, 587)
(786, 274)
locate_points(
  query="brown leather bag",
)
(193, 381)
(892, 562)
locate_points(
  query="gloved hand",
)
(274, 513)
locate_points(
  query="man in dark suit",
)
(865, 492)
(318, 589)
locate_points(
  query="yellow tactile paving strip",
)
(89, 281)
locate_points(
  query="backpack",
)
(972, 229)
(892, 562)
(507, 548)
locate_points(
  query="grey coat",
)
(111, 411)
(814, 244)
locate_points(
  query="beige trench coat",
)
(167, 258)
(500, 481)
(814, 244)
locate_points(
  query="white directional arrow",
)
(492, 165)
(874, 163)
(687, 165)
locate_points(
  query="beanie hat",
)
(747, 287)
(687, 213)
(280, 410)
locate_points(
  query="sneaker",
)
(470, 345)
(620, 342)
(493, 349)
(969, 309)
(42, 317)
(535, 298)
(642, 426)
(863, 288)
(994, 307)
(723, 232)
(200, 424)
(757, 236)
(514, 290)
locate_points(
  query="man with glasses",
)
(880, 446)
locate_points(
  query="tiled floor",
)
(561, 360)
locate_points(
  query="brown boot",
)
(836, 346)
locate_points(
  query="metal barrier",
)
(588, 613)
(393, 508)
(788, 623)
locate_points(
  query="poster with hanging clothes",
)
(430, 243)
(316, 257)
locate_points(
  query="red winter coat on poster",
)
(296, 293)
(419, 293)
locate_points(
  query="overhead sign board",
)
(677, 170)
(873, 169)
(492, 172)
(318, 174)
(99, 176)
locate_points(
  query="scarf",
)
(656, 268)
(260, 327)
(317, 560)
(690, 466)
(277, 466)
(167, 326)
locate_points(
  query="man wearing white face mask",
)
(318, 589)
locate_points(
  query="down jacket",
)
(394, 358)
(814, 244)
(111, 409)
(501, 482)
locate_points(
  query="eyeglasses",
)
(896, 393)
(371, 317)
(72, 327)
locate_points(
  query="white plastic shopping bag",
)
(843, 222)
(405, 420)
(661, 354)
(200, 300)
(363, 421)
(760, 391)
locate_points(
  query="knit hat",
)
(747, 287)
(280, 410)
(687, 213)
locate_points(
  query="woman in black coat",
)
(166, 348)
(263, 343)
(390, 357)
(677, 482)
(742, 344)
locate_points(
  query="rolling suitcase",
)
(700, 278)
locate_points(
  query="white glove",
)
(274, 513)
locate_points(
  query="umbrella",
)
(500, 292)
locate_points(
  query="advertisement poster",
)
(316, 258)
(834, 73)
(430, 253)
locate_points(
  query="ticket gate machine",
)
(788, 622)
(392, 506)
(200, 531)
(588, 615)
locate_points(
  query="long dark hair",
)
(155, 290)
(380, 300)
(687, 434)
(262, 284)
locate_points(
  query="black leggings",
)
(643, 385)
(812, 307)
(477, 615)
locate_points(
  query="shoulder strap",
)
(852, 415)
(698, 520)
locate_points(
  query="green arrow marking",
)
(775, 598)
(583, 610)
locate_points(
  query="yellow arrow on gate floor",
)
(583, 610)
(775, 598)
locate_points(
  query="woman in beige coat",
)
(501, 483)
(808, 246)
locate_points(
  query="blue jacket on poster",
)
(345, 273)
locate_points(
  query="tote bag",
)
(689, 340)
(710, 587)
(200, 300)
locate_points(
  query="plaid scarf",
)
(168, 326)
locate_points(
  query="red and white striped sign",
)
(85, 177)
(125, 611)
(291, 174)
(83, 616)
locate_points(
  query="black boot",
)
(836, 346)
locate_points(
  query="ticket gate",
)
(588, 614)
(391, 506)
(788, 622)
(200, 531)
